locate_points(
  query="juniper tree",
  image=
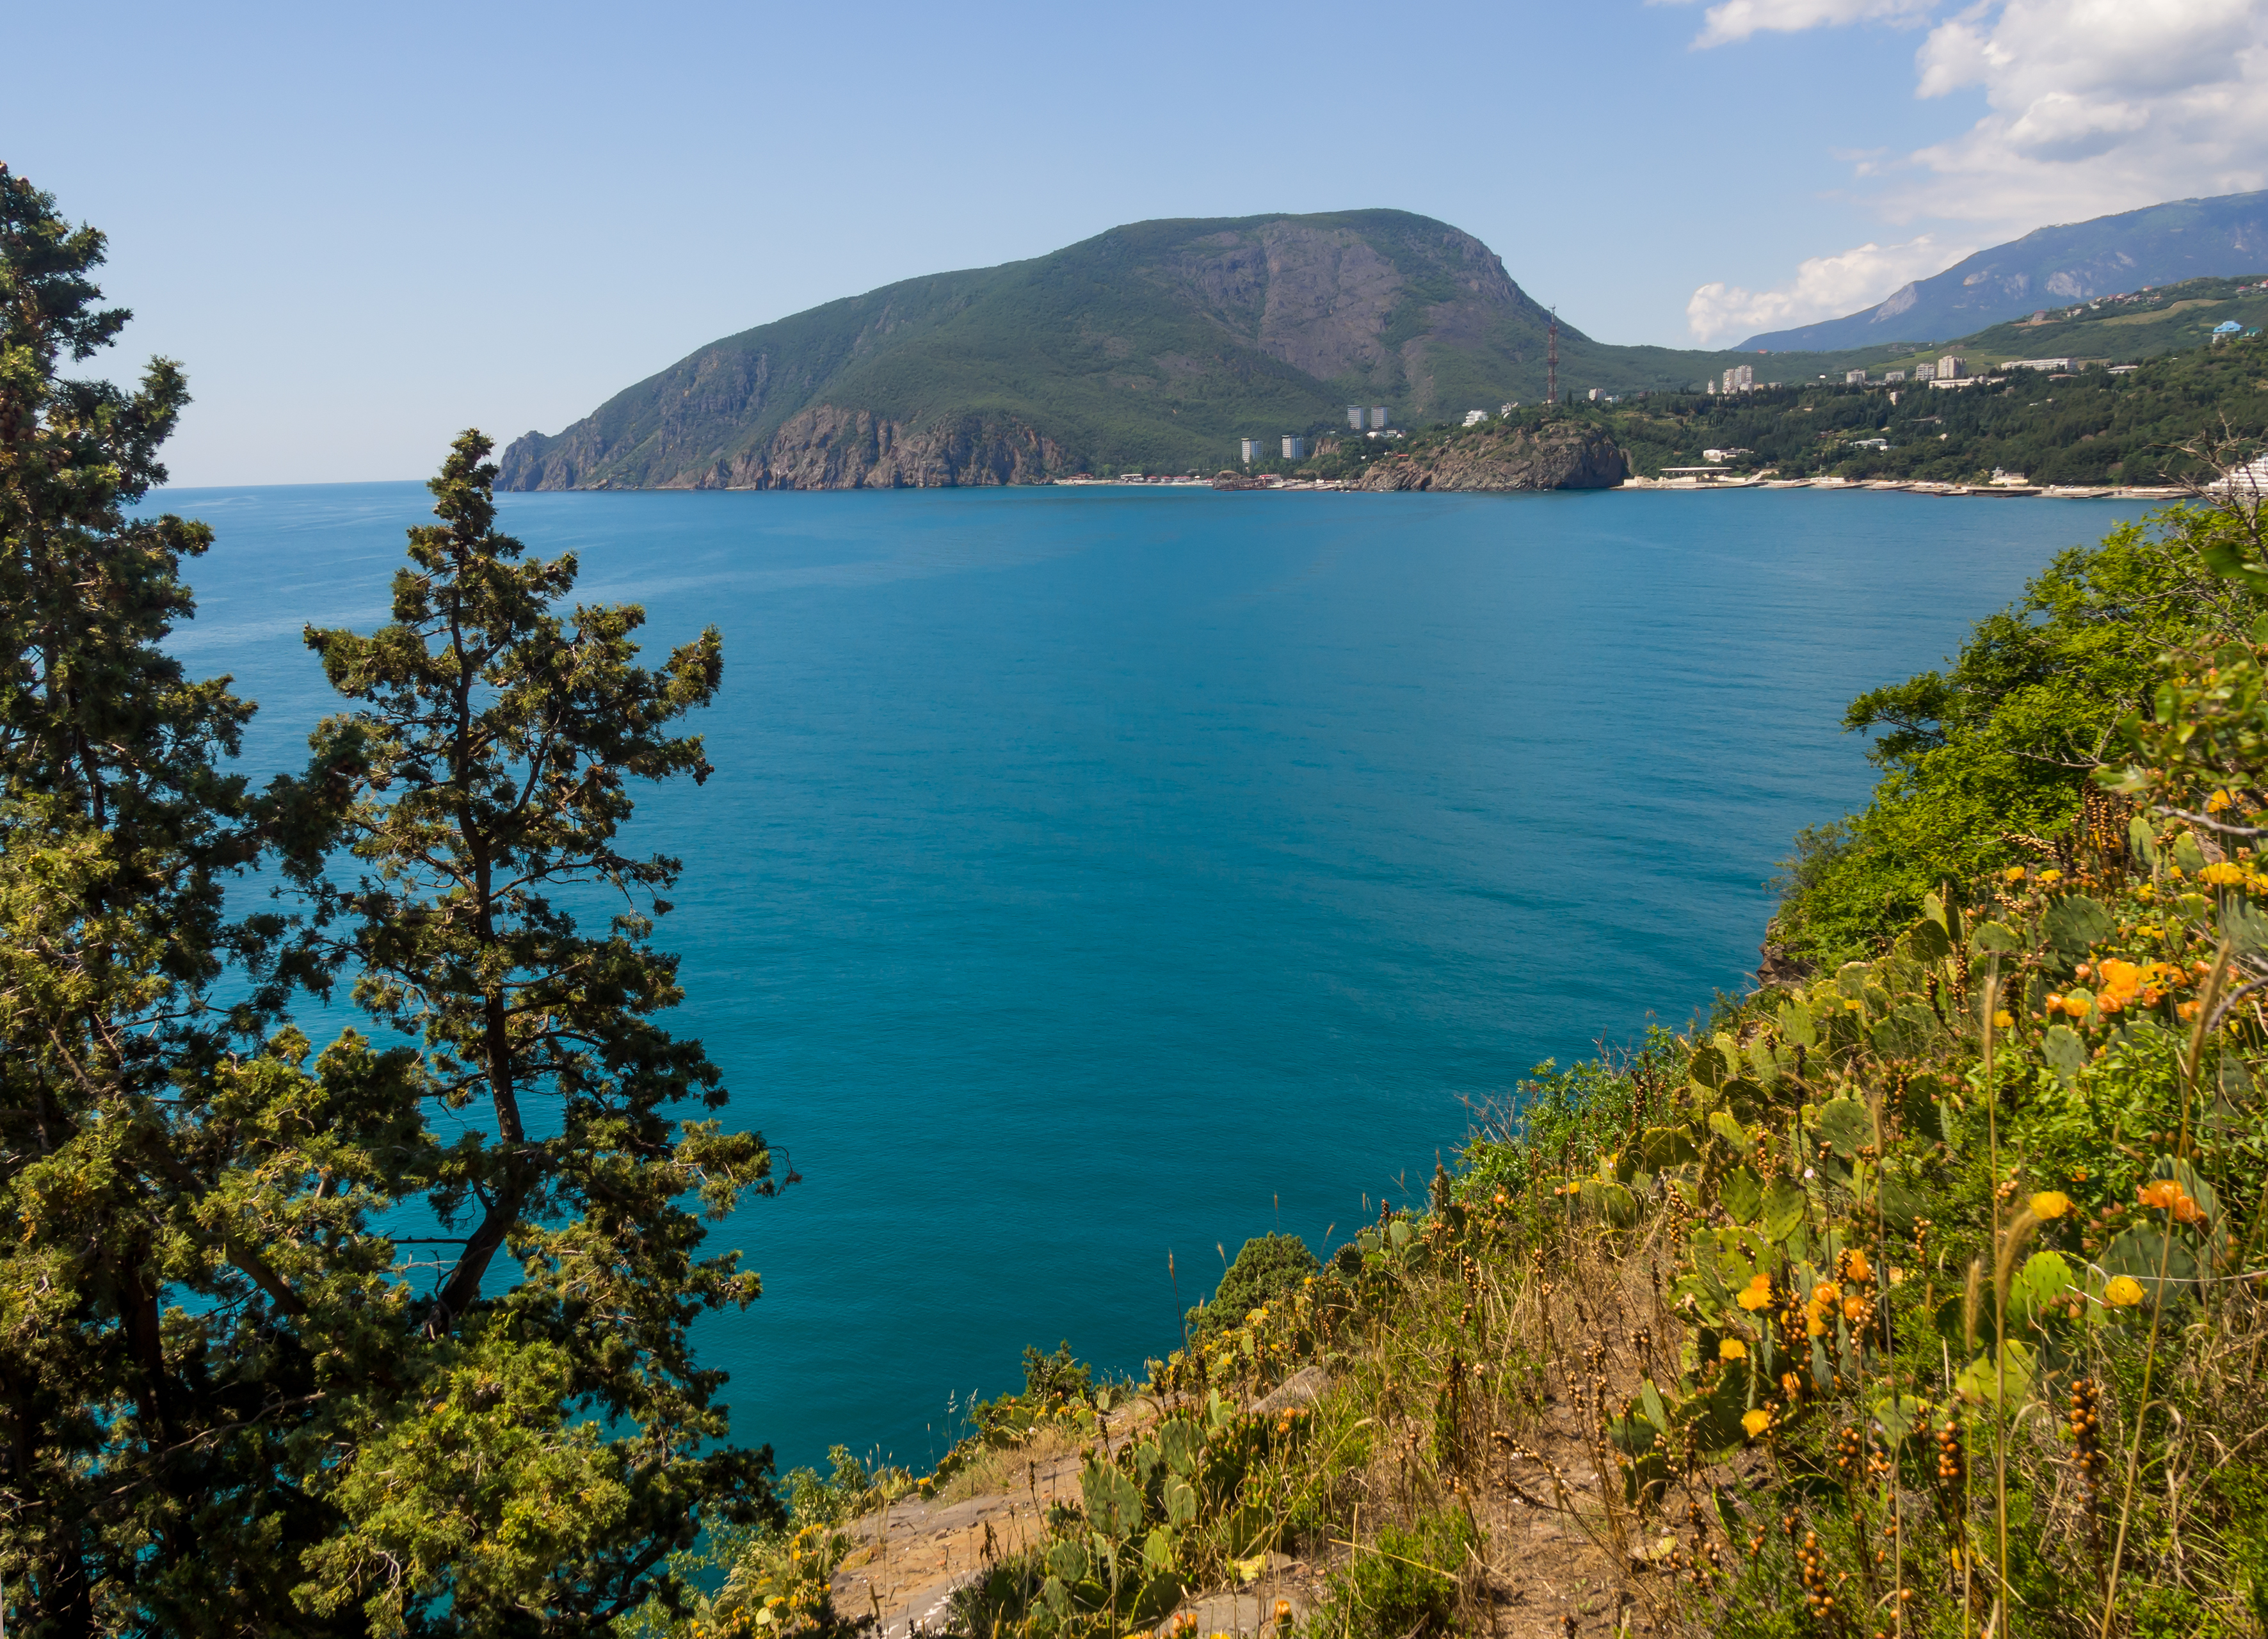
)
(561, 1443)
(183, 1209)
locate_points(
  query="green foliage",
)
(498, 739)
(2000, 748)
(231, 1405)
(1402, 1583)
(1057, 1380)
(190, 1273)
(1267, 1269)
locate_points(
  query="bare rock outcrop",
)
(828, 448)
(1558, 455)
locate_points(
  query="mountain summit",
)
(2055, 266)
(1159, 344)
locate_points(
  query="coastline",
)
(1689, 486)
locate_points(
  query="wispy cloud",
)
(1736, 20)
(1825, 287)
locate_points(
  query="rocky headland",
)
(1557, 455)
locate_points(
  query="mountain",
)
(2056, 266)
(1158, 344)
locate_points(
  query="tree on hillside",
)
(231, 1402)
(558, 1448)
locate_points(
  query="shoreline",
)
(1679, 486)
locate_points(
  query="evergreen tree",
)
(559, 1446)
(228, 1402)
(183, 1208)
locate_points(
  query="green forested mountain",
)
(1160, 344)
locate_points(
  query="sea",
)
(1093, 878)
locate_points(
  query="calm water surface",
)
(1092, 874)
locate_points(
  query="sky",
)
(363, 228)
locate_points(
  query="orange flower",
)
(1855, 1266)
(1825, 1292)
(1854, 1309)
(2122, 982)
(2161, 1194)
(1731, 1348)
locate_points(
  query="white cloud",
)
(1737, 19)
(2093, 106)
(1825, 287)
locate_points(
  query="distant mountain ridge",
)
(2053, 267)
(1160, 343)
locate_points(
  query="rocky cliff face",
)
(828, 448)
(1559, 455)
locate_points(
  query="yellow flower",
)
(2124, 1291)
(2217, 802)
(2003, 1020)
(1731, 1348)
(2122, 982)
(2051, 1203)
(2051, 875)
(1756, 1421)
(2013, 873)
(2222, 874)
(1825, 1292)
(1755, 1297)
(1813, 1326)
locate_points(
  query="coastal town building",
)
(1506, 408)
(1295, 449)
(2049, 364)
(1925, 373)
(1740, 378)
(1354, 416)
(1378, 417)
(1952, 364)
(1894, 375)
(1474, 418)
(1723, 455)
(1253, 450)
(2250, 478)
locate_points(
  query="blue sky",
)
(363, 228)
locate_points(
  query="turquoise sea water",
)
(1092, 874)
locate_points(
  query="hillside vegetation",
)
(2089, 427)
